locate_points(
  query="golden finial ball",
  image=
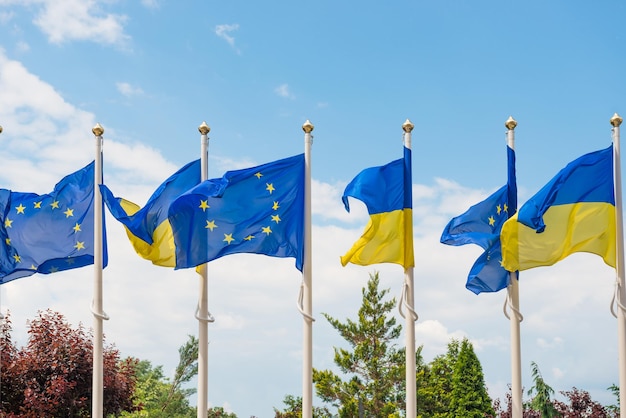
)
(510, 123)
(407, 126)
(204, 128)
(308, 127)
(98, 130)
(616, 120)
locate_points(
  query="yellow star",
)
(275, 206)
(69, 212)
(492, 221)
(20, 208)
(248, 238)
(276, 218)
(80, 245)
(266, 230)
(37, 205)
(32, 267)
(506, 208)
(270, 187)
(55, 204)
(501, 263)
(204, 205)
(76, 227)
(53, 269)
(258, 175)
(498, 209)
(8, 241)
(210, 225)
(8, 223)
(228, 238)
(17, 258)
(70, 261)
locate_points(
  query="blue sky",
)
(151, 71)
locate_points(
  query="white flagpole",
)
(306, 291)
(516, 317)
(616, 121)
(96, 308)
(202, 313)
(411, 317)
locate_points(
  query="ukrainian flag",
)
(574, 212)
(386, 192)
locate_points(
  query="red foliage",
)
(580, 405)
(52, 374)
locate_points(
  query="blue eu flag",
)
(51, 232)
(481, 225)
(255, 210)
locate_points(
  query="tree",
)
(157, 397)
(469, 397)
(437, 392)
(542, 392)
(218, 412)
(580, 405)
(52, 374)
(374, 365)
(294, 409)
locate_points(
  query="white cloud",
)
(82, 20)
(223, 31)
(283, 91)
(128, 90)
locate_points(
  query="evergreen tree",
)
(374, 364)
(469, 397)
(541, 394)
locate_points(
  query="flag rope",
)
(507, 303)
(402, 303)
(101, 315)
(207, 319)
(300, 303)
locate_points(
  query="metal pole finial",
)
(308, 127)
(510, 123)
(97, 130)
(0, 129)
(616, 120)
(407, 126)
(204, 128)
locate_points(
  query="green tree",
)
(294, 409)
(541, 394)
(374, 365)
(218, 412)
(156, 396)
(469, 397)
(437, 391)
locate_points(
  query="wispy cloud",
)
(283, 91)
(223, 31)
(128, 89)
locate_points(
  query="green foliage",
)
(469, 397)
(541, 394)
(294, 409)
(156, 397)
(218, 412)
(374, 366)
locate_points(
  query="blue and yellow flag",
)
(481, 225)
(148, 228)
(574, 212)
(255, 210)
(386, 192)
(51, 232)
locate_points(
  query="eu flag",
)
(51, 232)
(481, 225)
(255, 210)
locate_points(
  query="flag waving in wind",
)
(388, 236)
(574, 212)
(148, 228)
(51, 232)
(255, 210)
(481, 225)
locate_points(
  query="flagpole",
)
(616, 121)
(202, 313)
(96, 308)
(306, 293)
(516, 318)
(409, 300)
